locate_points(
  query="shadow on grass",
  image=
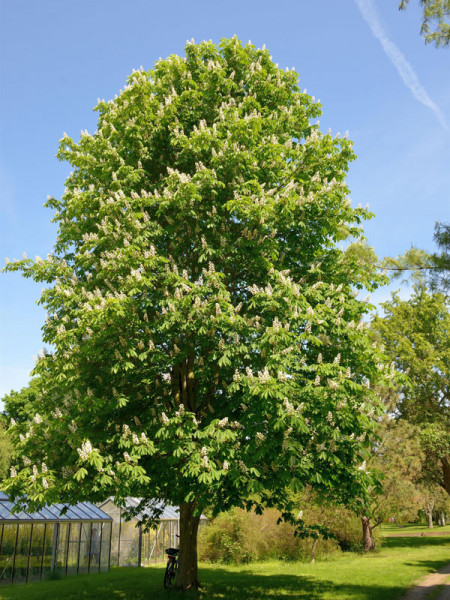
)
(219, 584)
(246, 584)
(415, 542)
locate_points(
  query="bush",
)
(343, 523)
(241, 537)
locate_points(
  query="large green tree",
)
(416, 335)
(209, 348)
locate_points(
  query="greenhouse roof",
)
(169, 513)
(83, 511)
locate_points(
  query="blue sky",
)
(364, 59)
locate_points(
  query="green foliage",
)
(241, 537)
(21, 405)
(435, 24)
(208, 343)
(422, 268)
(342, 523)
(414, 265)
(6, 452)
(416, 333)
(440, 275)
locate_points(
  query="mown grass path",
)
(383, 575)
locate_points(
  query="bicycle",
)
(172, 567)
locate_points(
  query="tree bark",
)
(188, 571)
(369, 544)
(313, 550)
(430, 518)
(446, 473)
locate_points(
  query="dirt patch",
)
(436, 585)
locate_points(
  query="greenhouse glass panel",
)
(85, 548)
(105, 546)
(61, 553)
(129, 544)
(74, 547)
(22, 553)
(50, 544)
(7, 552)
(37, 551)
(94, 553)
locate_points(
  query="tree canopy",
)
(209, 345)
(416, 334)
(435, 21)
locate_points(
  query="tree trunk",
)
(446, 473)
(430, 518)
(313, 550)
(369, 544)
(442, 518)
(188, 572)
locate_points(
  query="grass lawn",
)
(389, 528)
(383, 575)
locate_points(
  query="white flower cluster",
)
(276, 325)
(337, 359)
(164, 418)
(236, 376)
(226, 466)
(204, 454)
(57, 414)
(282, 376)
(37, 418)
(223, 422)
(261, 437)
(264, 376)
(85, 450)
(35, 473)
(288, 406)
(12, 472)
(333, 385)
(317, 380)
(180, 410)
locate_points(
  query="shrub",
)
(241, 537)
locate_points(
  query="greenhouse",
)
(131, 546)
(61, 538)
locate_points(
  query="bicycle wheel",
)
(168, 575)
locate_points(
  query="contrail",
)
(405, 70)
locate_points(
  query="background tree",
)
(209, 346)
(435, 24)
(440, 274)
(423, 268)
(416, 334)
(21, 405)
